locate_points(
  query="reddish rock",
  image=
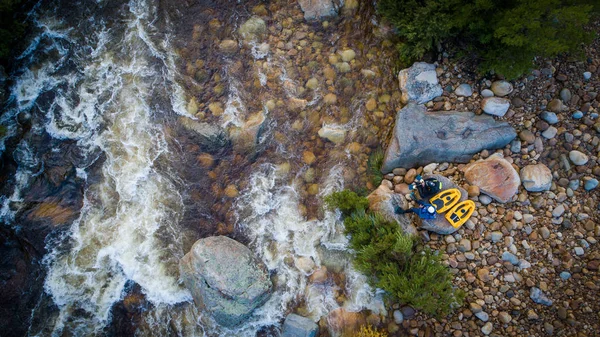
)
(344, 323)
(495, 177)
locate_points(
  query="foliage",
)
(346, 201)
(374, 165)
(504, 36)
(369, 331)
(11, 26)
(394, 263)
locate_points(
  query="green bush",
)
(394, 263)
(346, 201)
(374, 165)
(503, 36)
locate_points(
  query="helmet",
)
(430, 183)
(430, 209)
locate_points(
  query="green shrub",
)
(393, 263)
(374, 165)
(346, 201)
(504, 36)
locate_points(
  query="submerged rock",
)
(210, 137)
(383, 201)
(495, 177)
(225, 279)
(253, 29)
(298, 326)
(318, 9)
(422, 137)
(419, 83)
(333, 134)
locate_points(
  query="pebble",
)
(524, 264)
(577, 114)
(565, 95)
(482, 315)
(398, 317)
(515, 146)
(558, 211)
(528, 218)
(574, 184)
(555, 105)
(539, 297)
(495, 106)
(504, 317)
(513, 259)
(545, 232)
(487, 93)
(590, 184)
(464, 245)
(579, 251)
(485, 199)
(464, 90)
(549, 117)
(578, 158)
(348, 55)
(496, 236)
(527, 136)
(532, 315)
(565, 275)
(550, 132)
(587, 75)
(487, 328)
(501, 88)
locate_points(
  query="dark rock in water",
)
(383, 201)
(225, 279)
(211, 138)
(422, 137)
(298, 326)
(440, 225)
(319, 9)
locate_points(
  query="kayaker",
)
(424, 211)
(427, 187)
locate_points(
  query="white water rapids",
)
(128, 230)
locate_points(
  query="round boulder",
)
(495, 177)
(502, 88)
(578, 158)
(225, 279)
(536, 178)
(495, 106)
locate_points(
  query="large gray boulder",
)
(419, 83)
(422, 137)
(298, 326)
(440, 225)
(319, 9)
(225, 279)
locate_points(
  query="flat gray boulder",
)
(319, 9)
(440, 225)
(298, 326)
(422, 137)
(225, 279)
(419, 83)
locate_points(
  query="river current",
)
(113, 81)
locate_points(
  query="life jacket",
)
(431, 188)
(426, 211)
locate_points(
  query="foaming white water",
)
(127, 227)
(287, 243)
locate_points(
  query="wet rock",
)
(348, 55)
(565, 95)
(333, 134)
(318, 9)
(590, 184)
(495, 106)
(440, 225)
(587, 75)
(549, 117)
(330, 99)
(228, 46)
(248, 136)
(383, 201)
(578, 158)
(421, 137)
(536, 178)
(225, 279)
(211, 138)
(527, 136)
(419, 83)
(253, 29)
(485, 93)
(495, 177)
(510, 257)
(464, 90)
(539, 297)
(298, 326)
(556, 105)
(502, 88)
(549, 133)
(398, 317)
(344, 323)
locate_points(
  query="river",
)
(132, 121)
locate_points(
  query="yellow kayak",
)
(460, 213)
(445, 199)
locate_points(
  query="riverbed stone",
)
(578, 158)
(333, 134)
(440, 225)
(298, 326)
(225, 279)
(496, 106)
(536, 178)
(419, 83)
(495, 177)
(502, 88)
(422, 137)
(318, 9)
(464, 90)
(253, 29)
(211, 138)
(383, 200)
(539, 297)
